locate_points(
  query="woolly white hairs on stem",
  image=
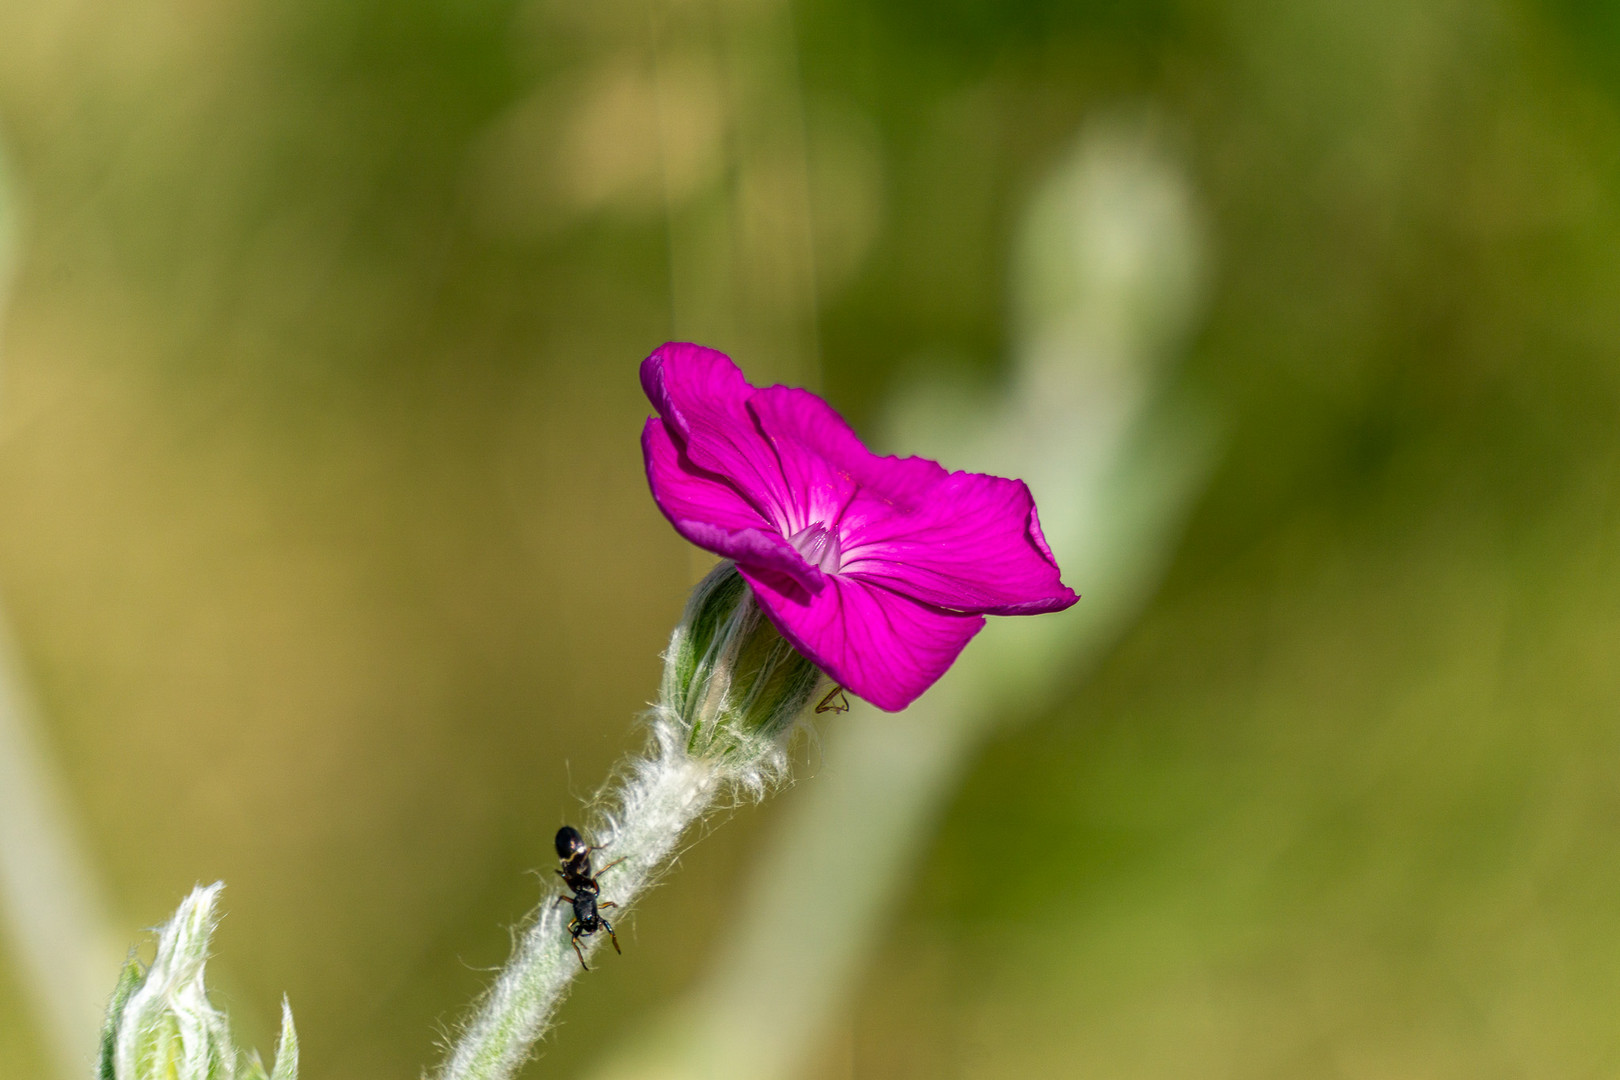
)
(661, 798)
(731, 692)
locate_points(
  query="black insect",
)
(577, 874)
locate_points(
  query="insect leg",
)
(579, 954)
(834, 702)
(611, 935)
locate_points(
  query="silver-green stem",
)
(731, 692)
(520, 1005)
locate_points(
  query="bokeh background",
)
(332, 573)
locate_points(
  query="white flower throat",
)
(820, 547)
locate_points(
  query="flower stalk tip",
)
(732, 683)
(732, 691)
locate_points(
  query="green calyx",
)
(732, 680)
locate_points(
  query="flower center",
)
(819, 546)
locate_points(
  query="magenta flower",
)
(878, 569)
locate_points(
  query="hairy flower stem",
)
(519, 1007)
(731, 692)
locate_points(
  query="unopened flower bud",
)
(732, 681)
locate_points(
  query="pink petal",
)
(704, 398)
(877, 644)
(712, 514)
(803, 427)
(975, 545)
(817, 489)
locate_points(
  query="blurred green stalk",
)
(50, 900)
(1108, 286)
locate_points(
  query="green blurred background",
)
(324, 538)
